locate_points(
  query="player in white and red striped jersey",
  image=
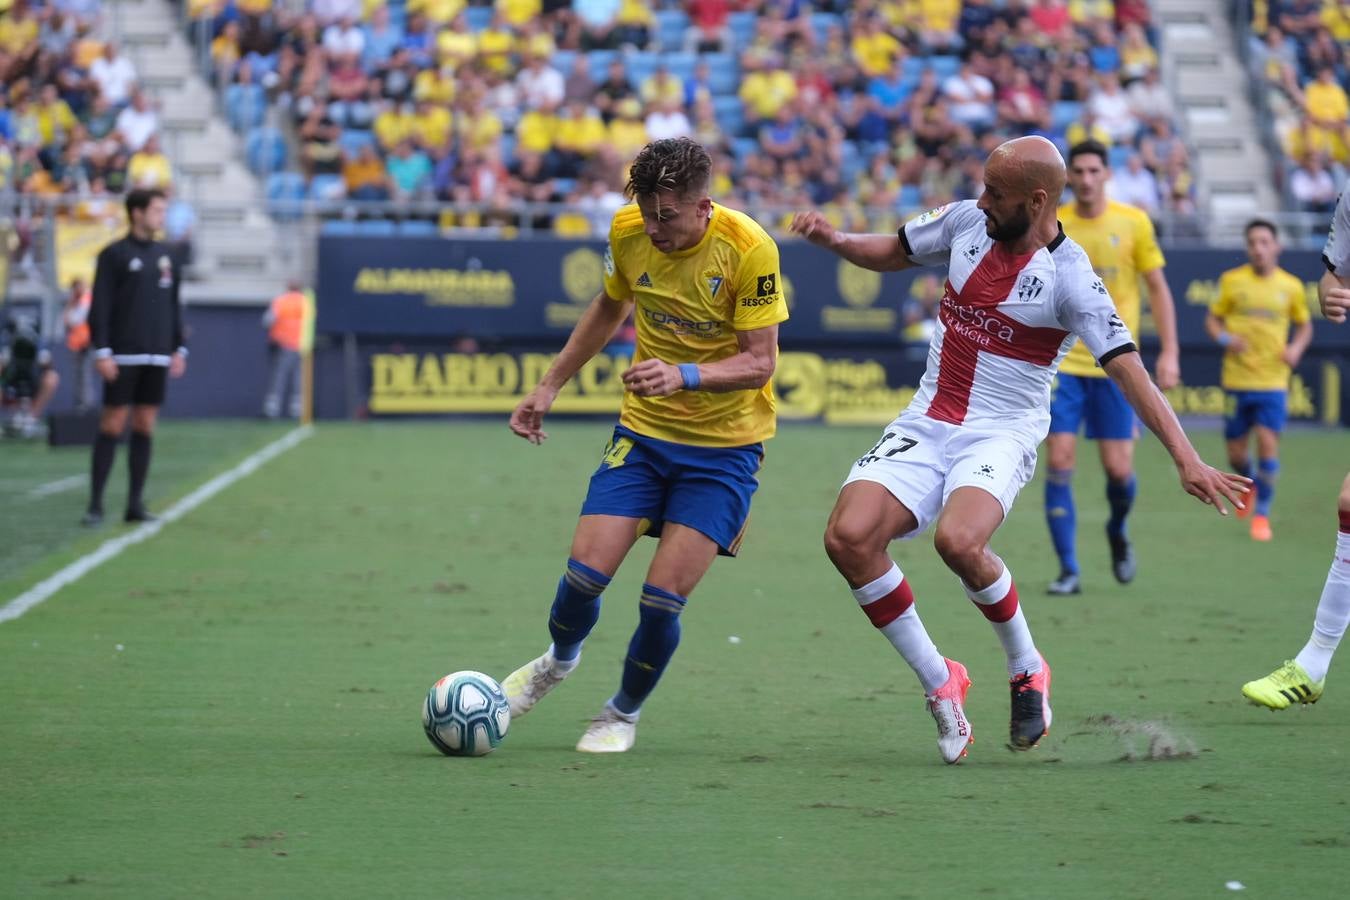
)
(1018, 292)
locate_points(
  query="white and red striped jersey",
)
(1006, 321)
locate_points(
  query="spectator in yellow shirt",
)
(432, 125)
(149, 168)
(661, 87)
(1327, 107)
(19, 30)
(392, 125)
(456, 44)
(435, 86)
(580, 134)
(633, 24)
(437, 12)
(519, 12)
(54, 119)
(535, 131)
(478, 127)
(364, 176)
(874, 49)
(766, 91)
(496, 44)
(628, 133)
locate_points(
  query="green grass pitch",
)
(232, 708)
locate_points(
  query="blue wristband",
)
(689, 372)
(1225, 339)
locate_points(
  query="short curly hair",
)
(679, 165)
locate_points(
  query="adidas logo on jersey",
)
(644, 280)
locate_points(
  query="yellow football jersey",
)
(688, 306)
(1122, 247)
(1260, 311)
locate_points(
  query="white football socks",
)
(1012, 631)
(1333, 613)
(906, 632)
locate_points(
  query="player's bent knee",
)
(848, 543)
(959, 546)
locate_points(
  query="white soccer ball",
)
(466, 714)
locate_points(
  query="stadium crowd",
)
(1300, 58)
(872, 109)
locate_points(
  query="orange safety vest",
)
(288, 320)
(77, 336)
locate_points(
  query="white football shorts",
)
(922, 460)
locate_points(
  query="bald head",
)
(1023, 180)
(1027, 164)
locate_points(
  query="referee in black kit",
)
(136, 333)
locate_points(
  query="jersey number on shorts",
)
(616, 451)
(905, 443)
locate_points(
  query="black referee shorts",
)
(136, 385)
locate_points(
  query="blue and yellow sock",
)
(1061, 517)
(652, 646)
(1120, 496)
(1267, 470)
(576, 608)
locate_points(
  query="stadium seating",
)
(783, 45)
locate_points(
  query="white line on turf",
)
(61, 485)
(111, 548)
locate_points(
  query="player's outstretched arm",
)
(595, 329)
(1334, 294)
(1199, 480)
(750, 369)
(878, 252)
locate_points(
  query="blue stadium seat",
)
(724, 76)
(562, 61)
(640, 66)
(327, 187)
(564, 186)
(338, 228)
(944, 66)
(284, 190)
(680, 65)
(1064, 113)
(910, 197)
(265, 150)
(507, 144)
(478, 17)
(730, 115)
(245, 106)
(850, 161)
(418, 228)
(671, 26)
(352, 140)
(821, 23)
(1119, 155)
(375, 228)
(742, 26)
(912, 67)
(744, 147)
(600, 60)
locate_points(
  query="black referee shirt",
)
(135, 316)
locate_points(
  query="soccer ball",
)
(466, 714)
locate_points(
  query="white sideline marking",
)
(57, 487)
(111, 548)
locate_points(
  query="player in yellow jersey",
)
(1123, 249)
(1250, 320)
(703, 282)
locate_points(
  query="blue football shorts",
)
(1096, 403)
(707, 489)
(1244, 410)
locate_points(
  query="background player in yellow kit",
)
(704, 284)
(1250, 320)
(1123, 248)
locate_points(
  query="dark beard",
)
(1012, 229)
